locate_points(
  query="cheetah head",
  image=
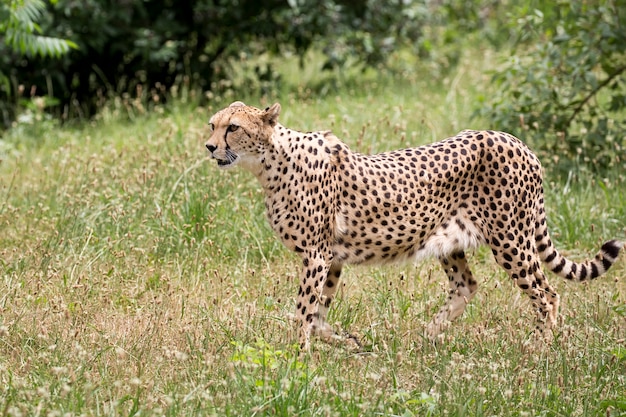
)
(240, 133)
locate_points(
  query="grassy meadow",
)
(138, 279)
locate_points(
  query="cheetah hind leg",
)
(529, 277)
(321, 327)
(463, 286)
(545, 301)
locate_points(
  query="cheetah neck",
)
(276, 158)
(296, 171)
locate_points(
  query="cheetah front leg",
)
(318, 287)
(314, 273)
(463, 286)
(321, 327)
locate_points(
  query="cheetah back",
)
(437, 199)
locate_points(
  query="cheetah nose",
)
(211, 148)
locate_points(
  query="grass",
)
(137, 279)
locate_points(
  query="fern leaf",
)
(30, 10)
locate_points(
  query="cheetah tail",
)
(589, 269)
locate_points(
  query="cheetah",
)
(335, 207)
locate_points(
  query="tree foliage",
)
(146, 46)
(149, 46)
(564, 86)
(22, 38)
(22, 33)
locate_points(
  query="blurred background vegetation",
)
(559, 83)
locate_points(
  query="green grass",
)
(138, 279)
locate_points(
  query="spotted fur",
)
(335, 207)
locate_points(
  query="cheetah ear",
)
(271, 114)
(237, 104)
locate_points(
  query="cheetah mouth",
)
(226, 163)
(227, 160)
(223, 163)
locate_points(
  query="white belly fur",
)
(449, 240)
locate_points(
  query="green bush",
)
(143, 48)
(563, 88)
(23, 38)
(139, 49)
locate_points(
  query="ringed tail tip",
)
(612, 249)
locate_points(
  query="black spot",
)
(611, 248)
(550, 257)
(606, 263)
(560, 266)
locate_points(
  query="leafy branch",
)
(593, 92)
(574, 55)
(22, 34)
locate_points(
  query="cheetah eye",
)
(211, 126)
(232, 128)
